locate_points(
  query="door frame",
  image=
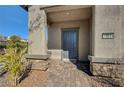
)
(77, 42)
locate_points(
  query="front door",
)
(70, 43)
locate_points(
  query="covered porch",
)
(60, 32)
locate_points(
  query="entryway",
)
(69, 34)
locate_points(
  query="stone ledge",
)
(37, 57)
(104, 60)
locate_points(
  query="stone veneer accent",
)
(108, 70)
(39, 64)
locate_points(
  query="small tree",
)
(15, 42)
(15, 38)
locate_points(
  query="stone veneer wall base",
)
(39, 64)
(107, 70)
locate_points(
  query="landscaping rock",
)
(61, 74)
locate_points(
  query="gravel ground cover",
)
(59, 74)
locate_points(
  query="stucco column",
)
(37, 31)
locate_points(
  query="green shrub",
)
(13, 60)
(13, 57)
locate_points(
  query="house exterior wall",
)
(54, 36)
(3, 42)
(107, 19)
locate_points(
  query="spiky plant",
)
(13, 60)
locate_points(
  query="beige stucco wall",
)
(54, 36)
(122, 29)
(107, 20)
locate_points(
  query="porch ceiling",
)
(70, 15)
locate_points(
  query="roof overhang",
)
(68, 13)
